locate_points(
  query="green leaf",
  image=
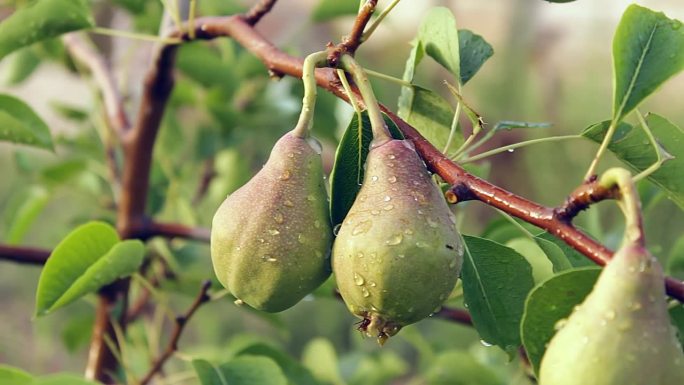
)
(88, 258)
(14, 376)
(295, 372)
(677, 318)
(430, 114)
(19, 124)
(675, 261)
(575, 258)
(42, 20)
(320, 357)
(330, 9)
(473, 53)
(459, 367)
(648, 49)
(244, 370)
(548, 303)
(350, 158)
(542, 268)
(632, 146)
(133, 6)
(512, 124)
(34, 202)
(558, 259)
(439, 37)
(496, 280)
(19, 66)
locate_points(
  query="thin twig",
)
(455, 315)
(21, 254)
(208, 174)
(181, 321)
(104, 78)
(258, 11)
(175, 230)
(351, 42)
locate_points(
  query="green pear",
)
(621, 333)
(397, 255)
(270, 239)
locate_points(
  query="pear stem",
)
(629, 203)
(380, 132)
(305, 123)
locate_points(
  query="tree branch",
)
(351, 42)
(455, 315)
(21, 254)
(258, 11)
(175, 230)
(181, 321)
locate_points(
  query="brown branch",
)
(175, 230)
(352, 41)
(258, 11)
(104, 78)
(580, 199)
(208, 173)
(181, 321)
(466, 185)
(21, 254)
(455, 315)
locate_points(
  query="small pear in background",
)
(621, 333)
(397, 255)
(270, 239)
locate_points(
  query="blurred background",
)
(552, 63)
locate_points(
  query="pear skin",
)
(621, 333)
(397, 255)
(270, 239)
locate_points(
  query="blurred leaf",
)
(550, 302)
(320, 357)
(14, 376)
(496, 280)
(19, 66)
(63, 172)
(88, 258)
(203, 64)
(77, 330)
(21, 125)
(675, 261)
(632, 146)
(511, 124)
(439, 37)
(455, 367)
(42, 20)
(648, 49)
(559, 1)
(69, 112)
(245, 370)
(375, 369)
(473, 53)
(296, 373)
(557, 257)
(220, 7)
(430, 114)
(350, 159)
(35, 200)
(575, 258)
(133, 6)
(330, 9)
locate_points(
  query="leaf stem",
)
(628, 202)
(660, 159)
(133, 35)
(518, 145)
(305, 123)
(604, 145)
(380, 132)
(369, 31)
(347, 88)
(452, 131)
(389, 78)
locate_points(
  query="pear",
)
(621, 333)
(397, 255)
(270, 239)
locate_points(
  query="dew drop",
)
(358, 279)
(336, 229)
(635, 306)
(273, 231)
(362, 227)
(511, 150)
(271, 259)
(317, 224)
(238, 248)
(395, 240)
(290, 155)
(387, 198)
(485, 343)
(359, 255)
(410, 310)
(560, 324)
(288, 203)
(278, 218)
(261, 240)
(311, 198)
(391, 156)
(422, 244)
(318, 254)
(401, 256)
(390, 164)
(375, 212)
(373, 284)
(452, 264)
(432, 223)
(392, 179)
(301, 238)
(610, 315)
(388, 207)
(374, 178)
(408, 231)
(239, 302)
(285, 175)
(365, 292)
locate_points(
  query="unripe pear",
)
(270, 239)
(621, 333)
(397, 255)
